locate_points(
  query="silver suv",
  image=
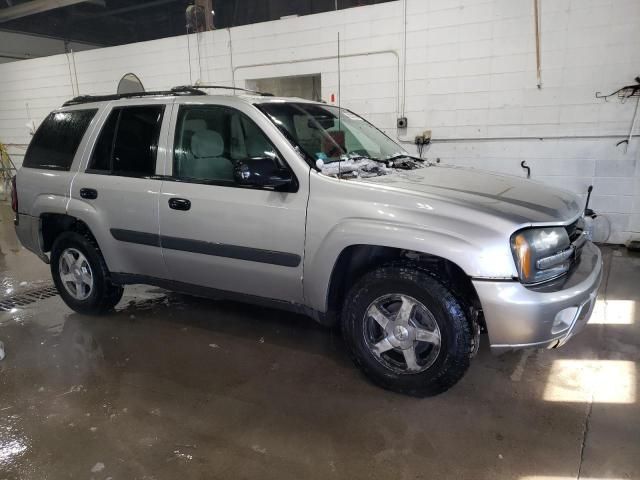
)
(306, 207)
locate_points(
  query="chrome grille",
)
(576, 237)
(575, 229)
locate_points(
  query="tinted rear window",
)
(55, 143)
(128, 142)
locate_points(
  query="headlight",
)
(541, 254)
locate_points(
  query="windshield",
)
(337, 141)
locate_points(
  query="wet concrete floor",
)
(170, 386)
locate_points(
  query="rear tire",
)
(81, 275)
(406, 331)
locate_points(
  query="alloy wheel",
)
(402, 333)
(75, 274)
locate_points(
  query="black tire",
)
(456, 338)
(104, 295)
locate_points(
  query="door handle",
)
(179, 204)
(89, 193)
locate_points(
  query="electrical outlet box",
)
(402, 122)
(424, 138)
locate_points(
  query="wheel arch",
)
(356, 260)
(53, 224)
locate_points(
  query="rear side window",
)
(55, 143)
(128, 142)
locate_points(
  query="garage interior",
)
(175, 386)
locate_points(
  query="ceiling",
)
(116, 22)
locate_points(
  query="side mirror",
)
(261, 172)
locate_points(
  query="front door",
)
(218, 234)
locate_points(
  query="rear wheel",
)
(81, 276)
(406, 331)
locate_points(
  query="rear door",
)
(116, 190)
(216, 233)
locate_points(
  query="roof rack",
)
(175, 91)
(224, 87)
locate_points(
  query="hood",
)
(518, 200)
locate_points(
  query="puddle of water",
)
(12, 444)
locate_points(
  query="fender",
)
(87, 213)
(48, 203)
(41, 204)
(476, 257)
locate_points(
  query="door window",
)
(55, 143)
(128, 142)
(210, 140)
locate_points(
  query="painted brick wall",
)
(470, 78)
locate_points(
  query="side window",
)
(248, 141)
(101, 157)
(128, 142)
(55, 143)
(211, 139)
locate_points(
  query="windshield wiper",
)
(407, 161)
(403, 155)
(404, 162)
(354, 158)
(363, 157)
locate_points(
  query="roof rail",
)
(175, 91)
(160, 93)
(224, 87)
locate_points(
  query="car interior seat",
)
(205, 160)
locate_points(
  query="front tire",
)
(406, 331)
(81, 275)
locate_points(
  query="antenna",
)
(587, 211)
(339, 109)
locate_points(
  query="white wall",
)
(300, 86)
(15, 46)
(470, 78)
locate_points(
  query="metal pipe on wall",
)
(525, 138)
(536, 10)
(404, 60)
(233, 69)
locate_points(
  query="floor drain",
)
(26, 298)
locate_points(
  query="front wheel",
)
(81, 276)
(406, 331)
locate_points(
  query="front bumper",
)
(546, 316)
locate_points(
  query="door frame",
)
(86, 212)
(289, 155)
(233, 251)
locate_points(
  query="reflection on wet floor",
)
(170, 386)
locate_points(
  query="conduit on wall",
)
(73, 73)
(536, 12)
(233, 69)
(404, 61)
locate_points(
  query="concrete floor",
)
(175, 387)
